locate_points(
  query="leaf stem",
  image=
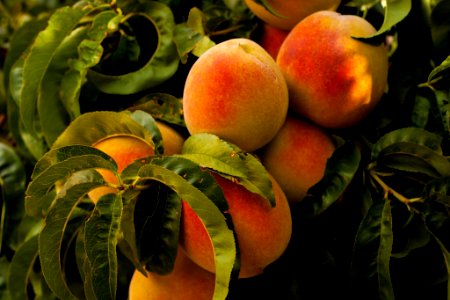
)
(225, 31)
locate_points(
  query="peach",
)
(187, 281)
(272, 38)
(290, 12)
(262, 232)
(334, 79)
(125, 149)
(236, 91)
(297, 157)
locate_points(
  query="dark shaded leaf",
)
(149, 123)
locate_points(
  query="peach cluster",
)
(279, 98)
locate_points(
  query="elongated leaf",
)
(38, 193)
(409, 157)
(444, 66)
(12, 187)
(89, 52)
(52, 115)
(410, 134)
(91, 127)
(209, 151)
(159, 67)
(21, 268)
(421, 112)
(55, 225)
(339, 172)
(60, 24)
(20, 41)
(394, 12)
(372, 252)
(199, 189)
(443, 107)
(101, 235)
(163, 107)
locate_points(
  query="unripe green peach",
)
(236, 91)
(290, 12)
(297, 157)
(334, 79)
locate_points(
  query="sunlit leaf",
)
(91, 127)
(209, 151)
(101, 235)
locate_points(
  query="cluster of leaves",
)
(382, 207)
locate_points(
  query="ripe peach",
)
(290, 12)
(272, 38)
(262, 232)
(297, 157)
(125, 149)
(334, 79)
(187, 281)
(236, 91)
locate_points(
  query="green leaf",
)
(199, 189)
(91, 127)
(190, 36)
(101, 236)
(62, 22)
(12, 187)
(89, 53)
(421, 111)
(340, 169)
(372, 252)
(411, 135)
(439, 70)
(163, 107)
(209, 151)
(443, 110)
(21, 268)
(20, 41)
(160, 66)
(59, 164)
(55, 225)
(416, 158)
(52, 114)
(394, 12)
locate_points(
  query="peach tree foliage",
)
(389, 177)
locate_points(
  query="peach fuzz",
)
(187, 281)
(125, 149)
(290, 12)
(236, 91)
(334, 79)
(297, 157)
(262, 232)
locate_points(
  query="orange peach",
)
(125, 149)
(236, 91)
(334, 79)
(186, 281)
(297, 157)
(262, 232)
(289, 12)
